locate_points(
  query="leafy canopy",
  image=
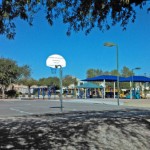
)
(78, 14)
(27, 81)
(68, 80)
(125, 72)
(50, 81)
(10, 72)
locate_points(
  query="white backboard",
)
(55, 60)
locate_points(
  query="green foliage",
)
(11, 94)
(68, 80)
(93, 72)
(54, 81)
(125, 72)
(51, 81)
(25, 71)
(27, 81)
(10, 72)
(114, 72)
(77, 14)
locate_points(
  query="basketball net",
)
(53, 70)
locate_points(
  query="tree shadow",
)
(91, 130)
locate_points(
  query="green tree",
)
(51, 81)
(42, 82)
(77, 14)
(106, 73)
(114, 72)
(67, 80)
(10, 72)
(126, 72)
(25, 71)
(93, 72)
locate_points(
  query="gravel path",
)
(127, 129)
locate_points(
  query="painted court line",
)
(20, 111)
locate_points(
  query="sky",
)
(33, 45)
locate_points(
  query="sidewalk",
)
(142, 103)
(137, 102)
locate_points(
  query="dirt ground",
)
(126, 129)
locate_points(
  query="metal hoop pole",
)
(61, 88)
(118, 88)
(60, 78)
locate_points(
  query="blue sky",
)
(33, 45)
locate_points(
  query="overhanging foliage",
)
(77, 14)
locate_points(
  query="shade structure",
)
(135, 79)
(89, 85)
(107, 78)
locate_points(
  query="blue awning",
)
(108, 78)
(89, 85)
(136, 79)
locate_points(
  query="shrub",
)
(11, 93)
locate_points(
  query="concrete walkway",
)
(138, 103)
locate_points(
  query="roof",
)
(136, 79)
(108, 78)
(89, 85)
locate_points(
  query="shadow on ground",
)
(126, 129)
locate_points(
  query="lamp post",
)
(145, 86)
(110, 44)
(137, 68)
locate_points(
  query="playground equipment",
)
(135, 94)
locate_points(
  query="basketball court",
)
(31, 107)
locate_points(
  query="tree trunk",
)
(3, 91)
(29, 91)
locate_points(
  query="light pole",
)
(110, 44)
(137, 68)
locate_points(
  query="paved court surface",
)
(87, 124)
(30, 107)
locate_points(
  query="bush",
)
(11, 93)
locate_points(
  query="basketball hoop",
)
(57, 62)
(53, 70)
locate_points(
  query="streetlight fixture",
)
(110, 44)
(137, 68)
